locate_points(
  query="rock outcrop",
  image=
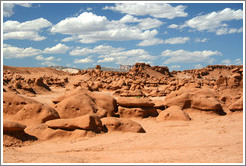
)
(136, 107)
(86, 122)
(122, 124)
(202, 99)
(81, 102)
(26, 111)
(173, 113)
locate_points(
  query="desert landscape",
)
(145, 115)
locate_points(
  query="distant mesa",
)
(126, 67)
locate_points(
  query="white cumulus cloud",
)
(22, 35)
(199, 40)
(41, 58)
(106, 53)
(215, 21)
(58, 49)
(231, 62)
(101, 49)
(10, 51)
(183, 56)
(128, 57)
(47, 61)
(26, 30)
(16, 52)
(151, 42)
(149, 23)
(85, 60)
(158, 10)
(224, 31)
(90, 28)
(198, 66)
(8, 8)
(177, 40)
(110, 59)
(129, 19)
(175, 67)
(173, 26)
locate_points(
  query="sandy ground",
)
(207, 138)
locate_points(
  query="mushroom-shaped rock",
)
(86, 122)
(137, 112)
(135, 102)
(205, 103)
(122, 124)
(39, 82)
(159, 104)
(203, 99)
(237, 106)
(12, 126)
(173, 113)
(183, 100)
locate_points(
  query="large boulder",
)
(173, 113)
(125, 112)
(182, 100)
(237, 106)
(105, 102)
(25, 110)
(121, 124)
(81, 102)
(12, 103)
(135, 102)
(16, 138)
(132, 93)
(159, 104)
(35, 113)
(205, 103)
(12, 126)
(235, 81)
(69, 94)
(202, 99)
(222, 82)
(230, 96)
(39, 83)
(76, 105)
(43, 132)
(86, 122)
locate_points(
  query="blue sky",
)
(178, 35)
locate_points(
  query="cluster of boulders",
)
(74, 115)
(30, 85)
(136, 107)
(85, 111)
(141, 69)
(144, 80)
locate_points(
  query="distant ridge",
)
(108, 69)
(66, 69)
(75, 70)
